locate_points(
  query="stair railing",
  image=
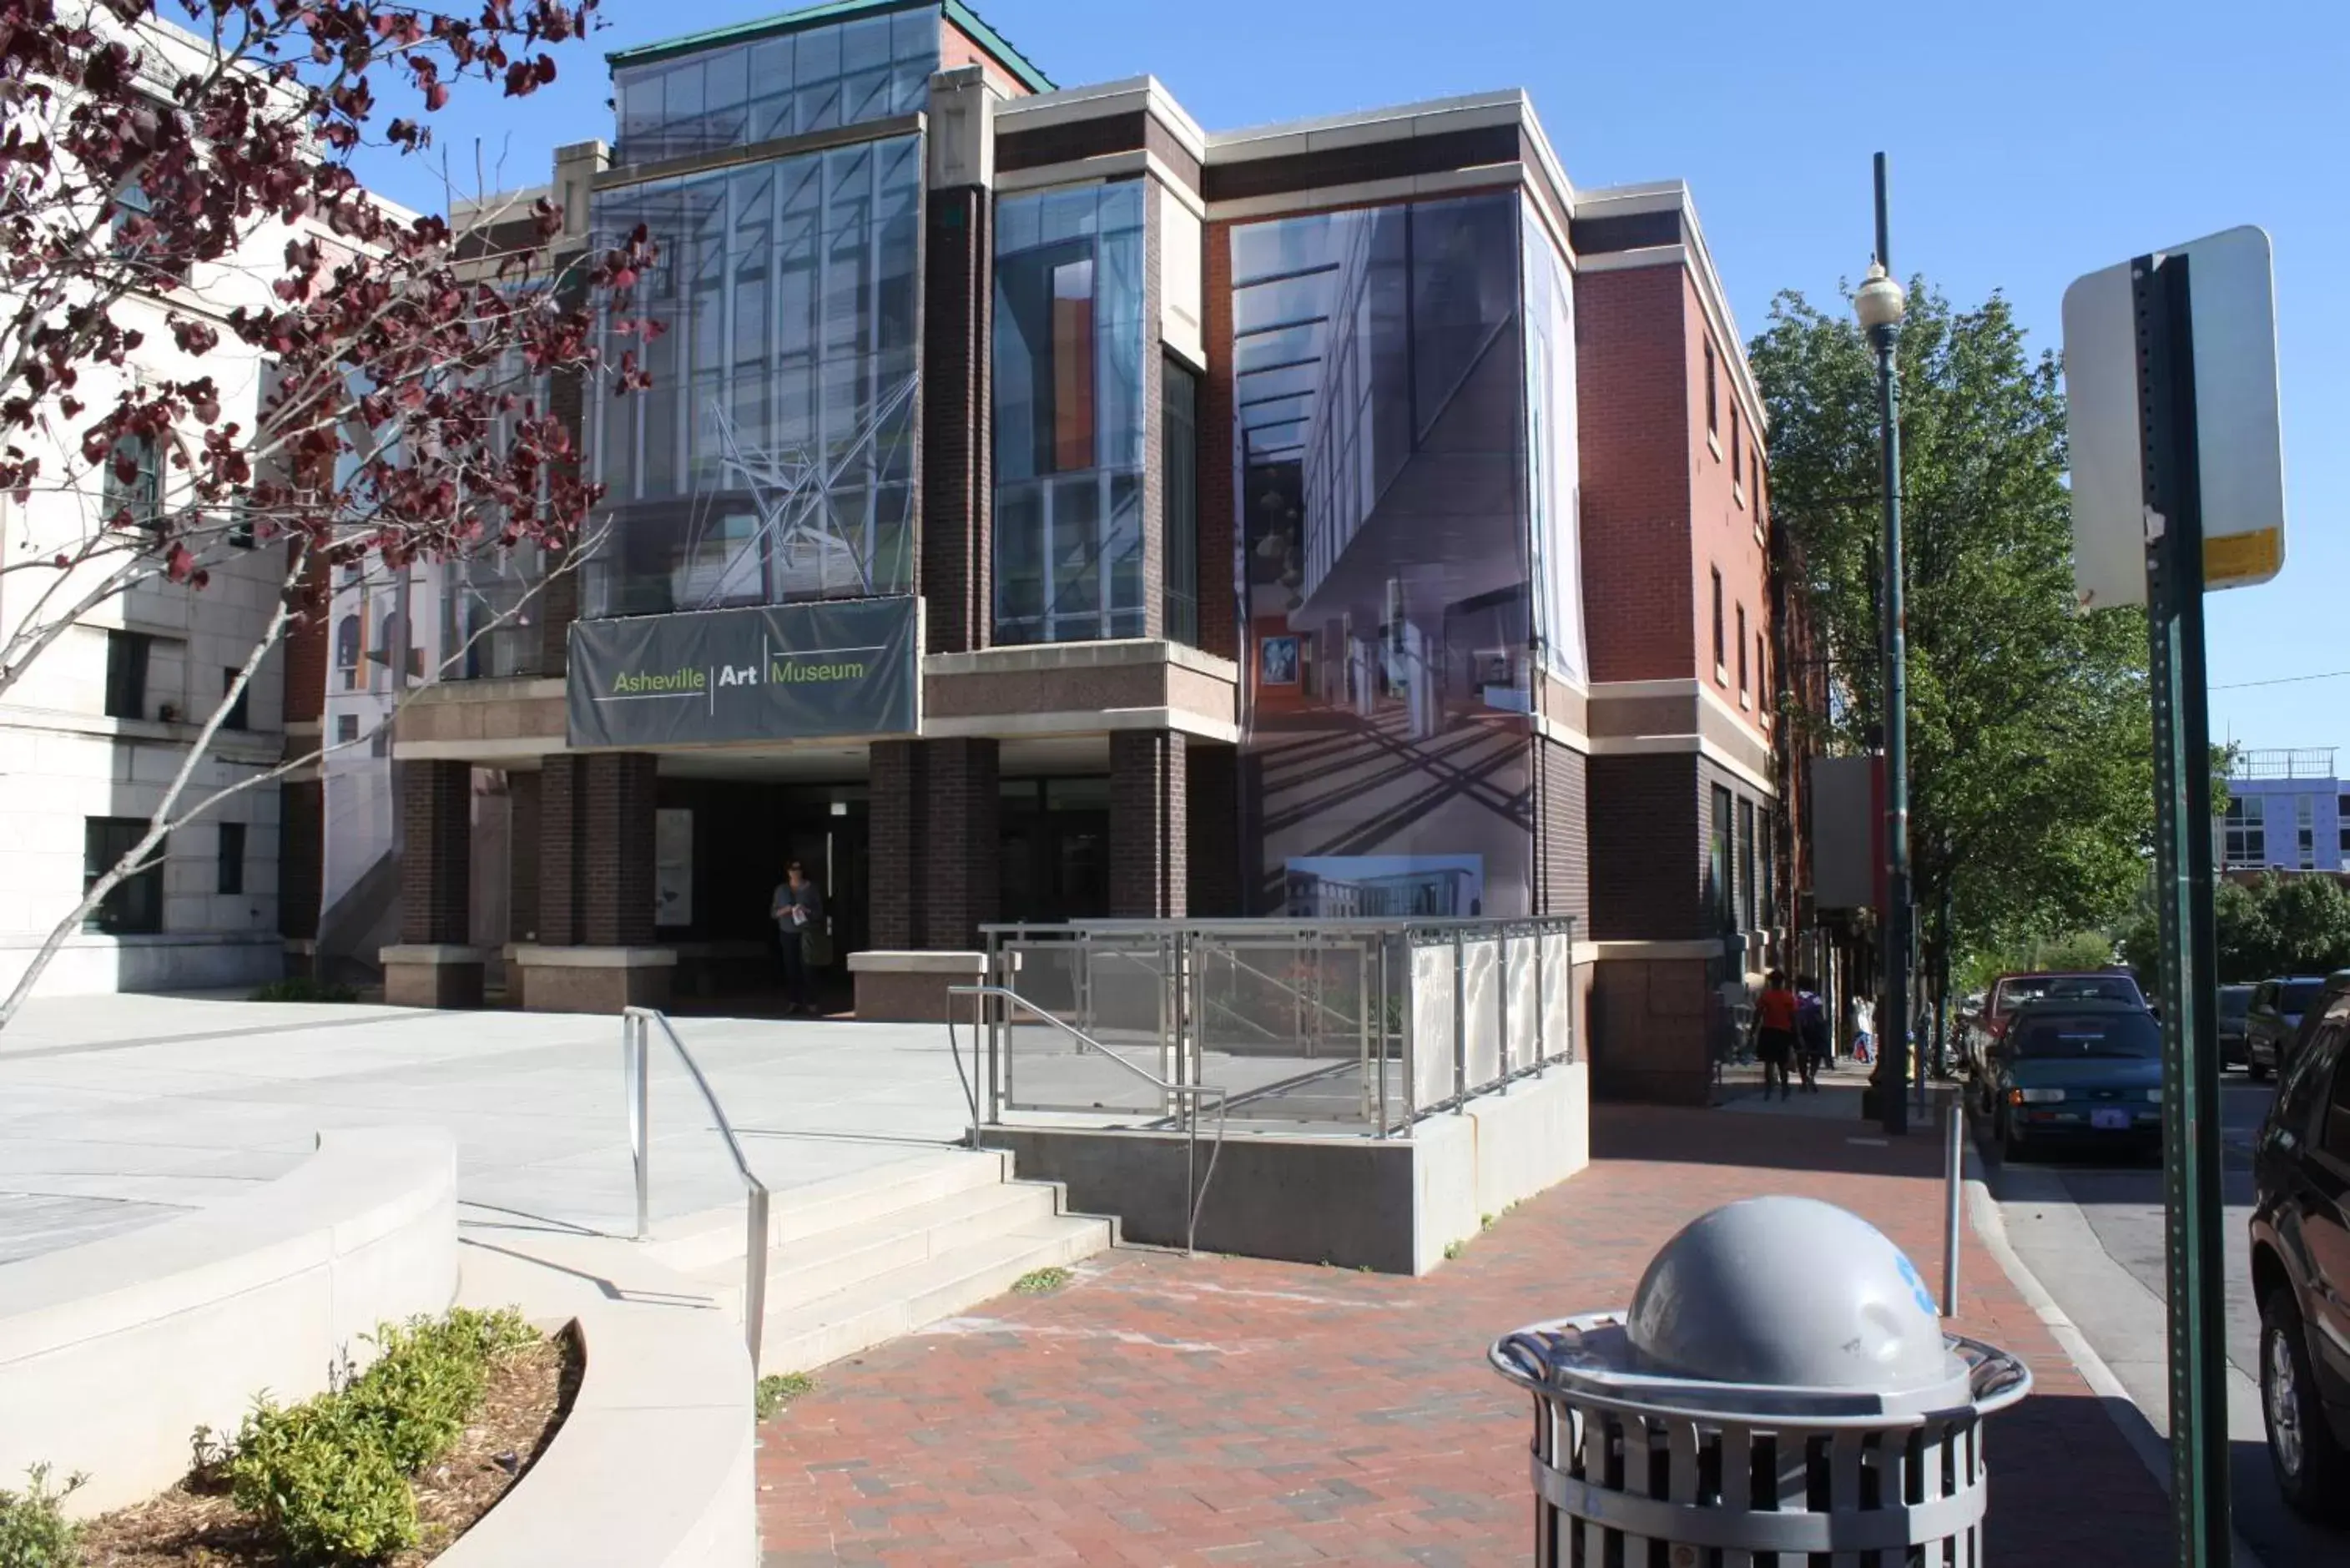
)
(636, 1040)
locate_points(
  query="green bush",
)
(33, 1529)
(303, 988)
(319, 1477)
(429, 1378)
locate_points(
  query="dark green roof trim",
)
(960, 14)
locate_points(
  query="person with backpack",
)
(1812, 1037)
(1775, 1033)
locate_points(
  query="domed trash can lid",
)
(1778, 1305)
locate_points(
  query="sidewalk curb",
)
(2152, 1449)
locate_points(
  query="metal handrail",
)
(636, 1078)
(1195, 1184)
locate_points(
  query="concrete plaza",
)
(118, 1111)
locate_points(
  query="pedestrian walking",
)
(1775, 1033)
(1814, 1038)
(1864, 1031)
(797, 909)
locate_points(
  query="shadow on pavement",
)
(1778, 1138)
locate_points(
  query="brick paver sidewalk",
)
(1166, 1410)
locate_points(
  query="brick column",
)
(954, 569)
(894, 823)
(1147, 824)
(560, 822)
(436, 807)
(1213, 849)
(523, 856)
(616, 850)
(958, 890)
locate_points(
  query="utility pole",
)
(1880, 305)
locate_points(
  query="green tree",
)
(2030, 733)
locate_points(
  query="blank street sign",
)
(2240, 449)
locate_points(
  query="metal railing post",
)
(1953, 1184)
(754, 1273)
(1502, 997)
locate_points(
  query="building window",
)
(1069, 400)
(132, 492)
(1767, 858)
(1721, 894)
(127, 653)
(1713, 393)
(347, 729)
(1179, 456)
(346, 651)
(2305, 821)
(1746, 886)
(1720, 648)
(1737, 453)
(134, 906)
(1761, 670)
(231, 858)
(2246, 833)
(239, 711)
(1742, 687)
(2341, 810)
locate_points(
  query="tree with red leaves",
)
(213, 338)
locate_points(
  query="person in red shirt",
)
(1775, 1033)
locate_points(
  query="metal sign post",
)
(2194, 1267)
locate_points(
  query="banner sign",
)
(770, 672)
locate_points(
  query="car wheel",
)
(2312, 1469)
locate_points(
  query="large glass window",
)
(1069, 398)
(814, 78)
(1179, 456)
(1720, 889)
(1747, 886)
(2247, 832)
(774, 458)
(134, 906)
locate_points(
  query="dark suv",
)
(2274, 1018)
(2301, 1269)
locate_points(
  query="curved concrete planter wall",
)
(111, 1354)
(653, 1466)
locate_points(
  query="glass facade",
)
(1069, 362)
(1404, 396)
(814, 78)
(773, 458)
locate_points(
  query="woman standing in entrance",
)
(797, 909)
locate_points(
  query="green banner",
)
(771, 672)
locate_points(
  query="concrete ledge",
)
(912, 987)
(654, 1466)
(593, 980)
(1391, 1204)
(433, 974)
(112, 1353)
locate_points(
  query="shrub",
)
(779, 1389)
(319, 1477)
(303, 988)
(33, 1529)
(429, 1378)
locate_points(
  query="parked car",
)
(2301, 1268)
(2010, 992)
(2273, 1019)
(2078, 1072)
(2235, 1006)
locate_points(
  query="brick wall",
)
(1147, 824)
(560, 826)
(958, 887)
(1647, 845)
(1633, 402)
(956, 422)
(893, 824)
(301, 846)
(616, 856)
(1561, 833)
(1723, 513)
(436, 808)
(522, 857)
(1212, 853)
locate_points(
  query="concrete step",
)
(808, 1335)
(833, 1261)
(703, 1241)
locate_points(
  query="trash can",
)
(1781, 1384)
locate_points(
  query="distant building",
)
(2287, 811)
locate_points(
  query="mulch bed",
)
(195, 1523)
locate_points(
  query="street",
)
(2094, 1236)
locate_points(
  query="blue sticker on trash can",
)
(1918, 1291)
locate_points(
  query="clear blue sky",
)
(2030, 142)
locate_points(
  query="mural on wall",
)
(1404, 398)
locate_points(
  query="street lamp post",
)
(1879, 304)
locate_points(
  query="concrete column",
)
(1147, 824)
(436, 805)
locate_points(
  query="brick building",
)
(1047, 508)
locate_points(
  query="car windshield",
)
(2295, 995)
(2068, 988)
(2235, 1001)
(2079, 1036)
